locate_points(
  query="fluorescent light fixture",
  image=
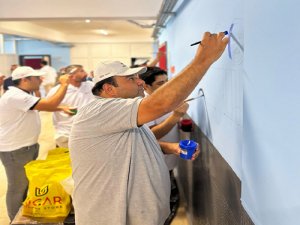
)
(87, 21)
(104, 32)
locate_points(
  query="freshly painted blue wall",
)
(252, 103)
(271, 159)
(219, 114)
(60, 56)
(9, 46)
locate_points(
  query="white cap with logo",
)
(25, 71)
(108, 69)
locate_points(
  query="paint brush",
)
(191, 99)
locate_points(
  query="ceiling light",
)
(104, 32)
(87, 21)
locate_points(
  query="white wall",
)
(5, 61)
(90, 54)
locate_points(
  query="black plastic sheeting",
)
(209, 187)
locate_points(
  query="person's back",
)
(50, 76)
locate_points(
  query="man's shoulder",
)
(14, 95)
(14, 91)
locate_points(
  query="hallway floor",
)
(46, 143)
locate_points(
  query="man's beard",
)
(141, 93)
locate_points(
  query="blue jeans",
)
(17, 182)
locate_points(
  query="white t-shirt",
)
(76, 97)
(50, 75)
(118, 168)
(19, 126)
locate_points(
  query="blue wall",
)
(60, 56)
(8, 45)
(252, 103)
(220, 113)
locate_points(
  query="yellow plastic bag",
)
(57, 152)
(46, 197)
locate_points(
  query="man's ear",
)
(109, 89)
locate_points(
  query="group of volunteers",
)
(123, 141)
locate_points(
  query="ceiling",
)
(64, 20)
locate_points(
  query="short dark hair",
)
(151, 73)
(16, 82)
(44, 62)
(98, 87)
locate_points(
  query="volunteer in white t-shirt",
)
(20, 127)
(49, 78)
(78, 94)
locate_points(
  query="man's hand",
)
(68, 110)
(159, 54)
(196, 153)
(64, 79)
(211, 48)
(181, 110)
(170, 148)
(156, 60)
(173, 148)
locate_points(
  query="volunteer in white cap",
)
(119, 172)
(20, 127)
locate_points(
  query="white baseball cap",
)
(108, 69)
(139, 62)
(25, 71)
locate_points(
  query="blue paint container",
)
(187, 148)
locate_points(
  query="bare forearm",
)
(178, 89)
(58, 108)
(163, 128)
(153, 62)
(171, 94)
(51, 104)
(169, 148)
